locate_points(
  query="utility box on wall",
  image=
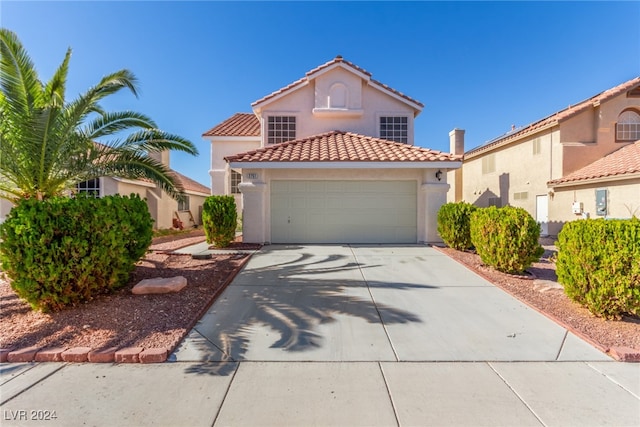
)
(577, 208)
(601, 202)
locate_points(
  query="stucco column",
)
(434, 195)
(254, 210)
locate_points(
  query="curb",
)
(621, 354)
(112, 354)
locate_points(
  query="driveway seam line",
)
(375, 304)
(63, 365)
(564, 339)
(386, 385)
(504, 380)
(589, 364)
(226, 393)
(231, 359)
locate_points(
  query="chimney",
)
(456, 141)
(454, 177)
(162, 157)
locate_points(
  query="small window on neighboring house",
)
(183, 203)
(523, 195)
(489, 163)
(536, 146)
(394, 129)
(628, 126)
(236, 179)
(280, 129)
(90, 187)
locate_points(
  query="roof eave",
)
(601, 179)
(445, 164)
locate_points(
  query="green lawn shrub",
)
(219, 219)
(506, 238)
(599, 265)
(63, 251)
(454, 224)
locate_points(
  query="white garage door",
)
(343, 212)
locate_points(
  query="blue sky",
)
(479, 66)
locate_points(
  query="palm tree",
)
(47, 144)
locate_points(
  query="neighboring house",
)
(165, 211)
(578, 162)
(330, 159)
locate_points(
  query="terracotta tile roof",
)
(240, 124)
(555, 117)
(189, 184)
(338, 146)
(624, 161)
(336, 60)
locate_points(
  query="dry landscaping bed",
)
(146, 328)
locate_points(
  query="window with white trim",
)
(183, 203)
(90, 187)
(628, 126)
(394, 128)
(236, 179)
(280, 129)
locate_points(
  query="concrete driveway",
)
(346, 336)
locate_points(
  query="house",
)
(580, 161)
(330, 158)
(165, 211)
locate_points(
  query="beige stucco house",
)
(330, 158)
(569, 165)
(165, 211)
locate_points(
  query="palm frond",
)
(110, 123)
(54, 91)
(156, 140)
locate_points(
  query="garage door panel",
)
(343, 211)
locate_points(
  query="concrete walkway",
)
(346, 335)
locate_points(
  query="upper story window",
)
(489, 163)
(280, 129)
(628, 126)
(90, 187)
(183, 203)
(394, 129)
(236, 179)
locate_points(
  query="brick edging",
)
(621, 354)
(112, 354)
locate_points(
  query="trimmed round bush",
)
(63, 251)
(506, 238)
(454, 224)
(219, 220)
(599, 265)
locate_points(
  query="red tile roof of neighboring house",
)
(189, 184)
(336, 60)
(240, 124)
(339, 146)
(555, 118)
(624, 161)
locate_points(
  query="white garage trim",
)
(343, 211)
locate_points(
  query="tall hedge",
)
(599, 265)
(506, 238)
(63, 251)
(219, 219)
(454, 224)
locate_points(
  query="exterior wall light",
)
(439, 175)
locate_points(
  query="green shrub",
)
(63, 251)
(506, 238)
(599, 265)
(219, 219)
(454, 224)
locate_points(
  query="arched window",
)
(338, 96)
(628, 126)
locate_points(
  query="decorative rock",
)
(546, 285)
(160, 285)
(202, 256)
(76, 354)
(26, 354)
(128, 355)
(625, 354)
(103, 355)
(4, 353)
(53, 354)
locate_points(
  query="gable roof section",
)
(338, 61)
(555, 118)
(240, 124)
(189, 184)
(622, 163)
(341, 147)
